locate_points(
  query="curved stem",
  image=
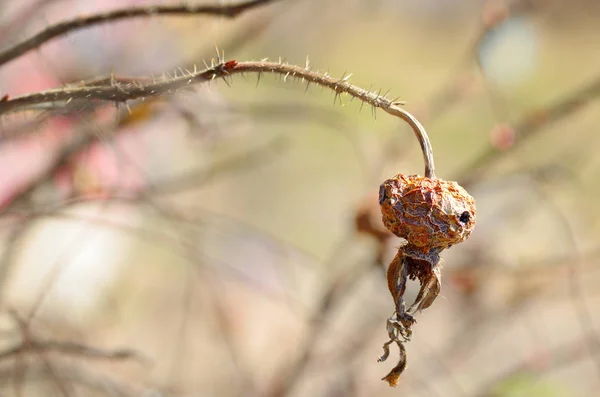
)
(423, 139)
(121, 89)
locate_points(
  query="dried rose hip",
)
(431, 215)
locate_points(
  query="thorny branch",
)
(122, 89)
(62, 28)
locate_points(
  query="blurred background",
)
(227, 241)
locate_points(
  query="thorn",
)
(195, 69)
(386, 93)
(307, 85)
(258, 78)
(307, 64)
(226, 82)
(205, 64)
(285, 77)
(218, 54)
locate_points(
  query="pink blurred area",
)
(56, 63)
(98, 169)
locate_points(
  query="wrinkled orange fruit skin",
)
(430, 213)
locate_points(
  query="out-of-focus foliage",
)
(213, 233)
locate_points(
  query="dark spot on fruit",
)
(465, 217)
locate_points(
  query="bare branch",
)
(529, 126)
(62, 28)
(122, 89)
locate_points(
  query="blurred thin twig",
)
(219, 9)
(528, 126)
(68, 348)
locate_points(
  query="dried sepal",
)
(430, 288)
(393, 377)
